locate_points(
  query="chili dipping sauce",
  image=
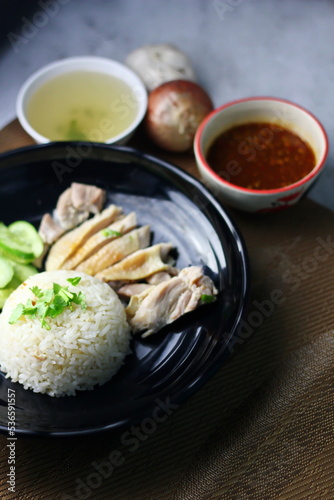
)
(260, 156)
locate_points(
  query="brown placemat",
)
(261, 428)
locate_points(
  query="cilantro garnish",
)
(16, 314)
(110, 232)
(74, 281)
(50, 303)
(207, 299)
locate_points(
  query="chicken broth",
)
(260, 156)
(82, 105)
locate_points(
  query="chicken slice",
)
(76, 203)
(162, 304)
(100, 239)
(135, 303)
(139, 265)
(68, 244)
(87, 197)
(116, 285)
(194, 277)
(131, 289)
(155, 308)
(161, 276)
(116, 250)
(65, 214)
(49, 230)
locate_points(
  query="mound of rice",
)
(82, 348)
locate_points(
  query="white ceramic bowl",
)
(259, 109)
(84, 63)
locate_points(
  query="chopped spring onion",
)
(207, 299)
(110, 232)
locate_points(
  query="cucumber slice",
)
(25, 233)
(5, 292)
(12, 251)
(6, 272)
(23, 272)
(20, 242)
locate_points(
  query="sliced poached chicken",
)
(162, 304)
(68, 244)
(49, 230)
(116, 250)
(100, 239)
(139, 265)
(76, 203)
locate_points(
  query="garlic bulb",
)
(157, 64)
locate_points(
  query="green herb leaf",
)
(80, 299)
(110, 232)
(74, 281)
(56, 288)
(207, 299)
(45, 324)
(50, 303)
(74, 133)
(16, 314)
(29, 309)
(41, 309)
(47, 295)
(37, 291)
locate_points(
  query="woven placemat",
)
(261, 428)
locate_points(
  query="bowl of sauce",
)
(260, 154)
(82, 99)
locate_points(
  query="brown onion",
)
(175, 110)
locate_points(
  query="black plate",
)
(172, 364)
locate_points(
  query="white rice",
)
(82, 349)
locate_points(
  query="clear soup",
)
(82, 105)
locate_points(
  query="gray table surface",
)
(239, 48)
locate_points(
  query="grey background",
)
(239, 48)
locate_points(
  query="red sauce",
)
(260, 156)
